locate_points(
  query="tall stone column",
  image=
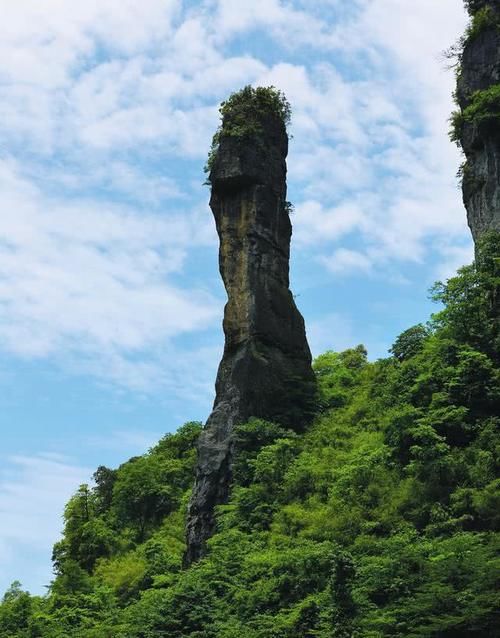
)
(479, 119)
(266, 369)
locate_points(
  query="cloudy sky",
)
(110, 299)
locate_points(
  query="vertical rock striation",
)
(266, 366)
(477, 125)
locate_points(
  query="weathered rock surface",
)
(265, 370)
(480, 69)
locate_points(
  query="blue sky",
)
(110, 298)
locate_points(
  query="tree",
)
(410, 342)
(146, 491)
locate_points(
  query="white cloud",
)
(42, 42)
(332, 332)
(31, 487)
(337, 331)
(313, 224)
(126, 442)
(372, 151)
(95, 90)
(345, 261)
(92, 279)
(282, 21)
(453, 258)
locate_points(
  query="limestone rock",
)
(480, 140)
(266, 369)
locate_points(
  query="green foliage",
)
(483, 17)
(410, 342)
(484, 107)
(16, 612)
(472, 301)
(124, 574)
(104, 481)
(337, 374)
(249, 440)
(145, 493)
(474, 6)
(243, 112)
(381, 519)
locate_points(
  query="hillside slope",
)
(382, 519)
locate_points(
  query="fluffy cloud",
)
(344, 261)
(282, 21)
(370, 153)
(92, 280)
(43, 43)
(109, 106)
(313, 224)
(333, 331)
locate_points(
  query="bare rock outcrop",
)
(478, 122)
(266, 369)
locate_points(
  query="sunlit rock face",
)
(480, 140)
(265, 370)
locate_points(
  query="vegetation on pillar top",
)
(483, 19)
(473, 6)
(243, 112)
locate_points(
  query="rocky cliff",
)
(477, 125)
(265, 370)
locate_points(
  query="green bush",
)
(243, 112)
(484, 107)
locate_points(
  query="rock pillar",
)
(265, 370)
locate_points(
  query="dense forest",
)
(381, 519)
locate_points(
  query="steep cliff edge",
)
(266, 366)
(477, 124)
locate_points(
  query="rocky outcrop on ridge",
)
(478, 122)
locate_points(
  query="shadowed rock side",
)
(480, 137)
(266, 366)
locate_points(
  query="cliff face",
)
(479, 133)
(266, 366)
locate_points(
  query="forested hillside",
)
(381, 519)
